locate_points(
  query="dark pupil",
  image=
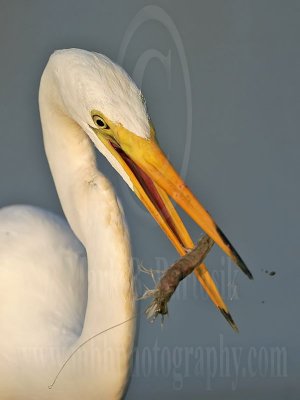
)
(100, 123)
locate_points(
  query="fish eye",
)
(99, 121)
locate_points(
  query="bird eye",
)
(99, 121)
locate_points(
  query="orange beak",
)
(154, 179)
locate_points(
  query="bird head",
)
(101, 97)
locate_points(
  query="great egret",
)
(55, 290)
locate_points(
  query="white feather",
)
(95, 82)
(55, 293)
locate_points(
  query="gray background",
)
(243, 60)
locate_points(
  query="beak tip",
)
(250, 276)
(243, 266)
(229, 319)
(235, 256)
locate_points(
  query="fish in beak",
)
(155, 181)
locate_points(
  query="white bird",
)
(61, 285)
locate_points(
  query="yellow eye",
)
(99, 121)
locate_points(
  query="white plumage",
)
(50, 301)
(40, 259)
(82, 75)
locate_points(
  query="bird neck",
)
(92, 210)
